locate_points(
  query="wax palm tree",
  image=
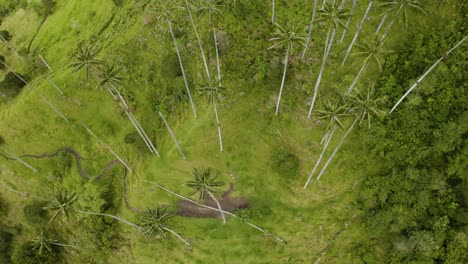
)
(348, 20)
(165, 13)
(205, 183)
(212, 9)
(311, 27)
(285, 38)
(350, 47)
(158, 222)
(373, 51)
(333, 14)
(61, 204)
(207, 69)
(85, 58)
(273, 12)
(398, 7)
(42, 241)
(333, 113)
(214, 93)
(109, 74)
(421, 78)
(364, 106)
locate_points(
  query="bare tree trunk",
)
(199, 41)
(358, 75)
(338, 146)
(19, 159)
(111, 216)
(347, 21)
(219, 206)
(426, 73)
(182, 68)
(11, 47)
(311, 26)
(328, 46)
(382, 22)
(219, 127)
(45, 62)
(172, 135)
(218, 66)
(110, 150)
(327, 141)
(358, 31)
(218, 210)
(52, 106)
(286, 60)
(273, 12)
(177, 235)
(55, 86)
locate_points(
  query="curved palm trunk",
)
(311, 26)
(182, 68)
(358, 75)
(108, 148)
(219, 206)
(273, 12)
(111, 216)
(426, 73)
(219, 127)
(327, 141)
(347, 21)
(286, 60)
(176, 235)
(218, 66)
(218, 210)
(338, 146)
(172, 135)
(199, 41)
(328, 46)
(358, 31)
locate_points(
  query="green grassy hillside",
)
(267, 157)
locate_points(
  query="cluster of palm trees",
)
(333, 13)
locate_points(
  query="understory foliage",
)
(415, 206)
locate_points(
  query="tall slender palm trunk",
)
(426, 73)
(172, 135)
(327, 49)
(219, 206)
(358, 75)
(111, 216)
(108, 148)
(49, 80)
(382, 22)
(311, 27)
(327, 141)
(219, 127)
(371, 3)
(338, 146)
(286, 61)
(347, 21)
(182, 68)
(218, 66)
(19, 159)
(199, 41)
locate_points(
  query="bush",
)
(5, 34)
(11, 85)
(35, 213)
(5, 240)
(26, 254)
(285, 163)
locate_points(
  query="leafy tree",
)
(158, 221)
(205, 183)
(288, 38)
(333, 14)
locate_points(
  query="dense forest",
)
(233, 131)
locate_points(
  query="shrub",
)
(11, 85)
(34, 213)
(5, 34)
(285, 163)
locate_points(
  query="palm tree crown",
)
(333, 14)
(165, 9)
(365, 105)
(333, 112)
(205, 180)
(212, 91)
(85, 57)
(156, 221)
(372, 50)
(110, 74)
(402, 5)
(210, 8)
(286, 37)
(61, 203)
